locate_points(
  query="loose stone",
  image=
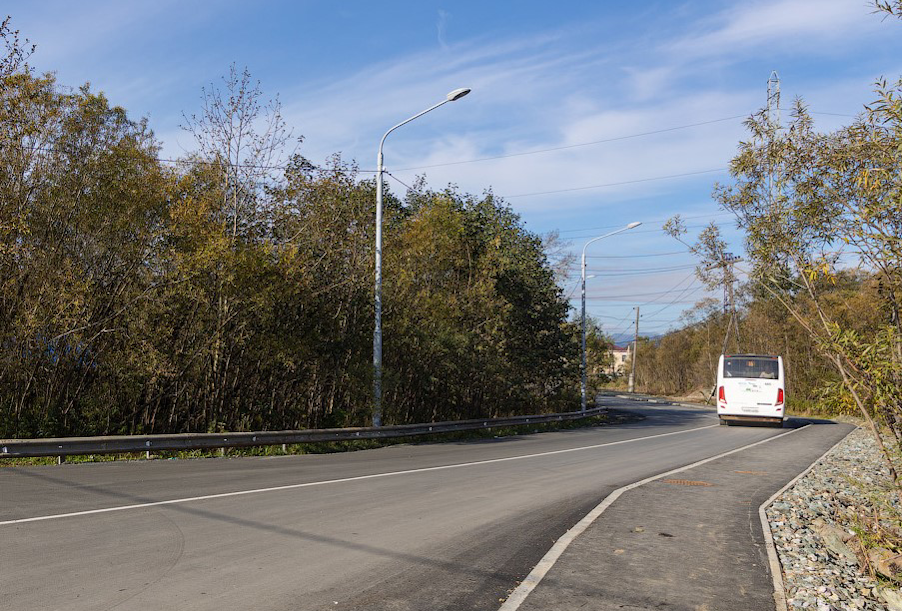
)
(810, 523)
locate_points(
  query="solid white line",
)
(341, 480)
(776, 569)
(529, 584)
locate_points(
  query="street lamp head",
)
(633, 225)
(457, 94)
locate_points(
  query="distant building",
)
(619, 356)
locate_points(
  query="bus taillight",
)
(721, 395)
(779, 396)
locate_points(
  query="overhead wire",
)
(409, 188)
(617, 184)
(683, 294)
(658, 220)
(283, 166)
(671, 290)
(656, 254)
(602, 269)
(627, 296)
(467, 161)
(573, 146)
(659, 230)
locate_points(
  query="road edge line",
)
(531, 581)
(776, 568)
(342, 480)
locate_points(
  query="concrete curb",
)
(776, 569)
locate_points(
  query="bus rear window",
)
(749, 367)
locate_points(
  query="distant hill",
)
(622, 339)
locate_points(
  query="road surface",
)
(425, 526)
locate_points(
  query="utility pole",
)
(729, 295)
(632, 382)
(584, 380)
(773, 99)
(728, 276)
(773, 124)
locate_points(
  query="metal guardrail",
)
(122, 444)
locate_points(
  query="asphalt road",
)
(431, 526)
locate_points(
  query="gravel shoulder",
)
(814, 525)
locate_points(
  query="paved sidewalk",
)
(691, 541)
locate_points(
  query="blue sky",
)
(641, 105)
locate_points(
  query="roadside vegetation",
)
(232, 289)
(611, 417)
(822, 216)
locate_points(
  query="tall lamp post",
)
(377, 333)
(585, 375)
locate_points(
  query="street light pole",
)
(585, 376)
(377, 332)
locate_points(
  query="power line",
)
(653, 230)
(409, 188)
(682, 295)
(616, 269)
(673, 289)
(628, 296)
(676, 286)
(617, 184)
(656, 254)
(607, 273)
(658, 220)
(494, 157)
(573, 290)
(622, 320)
(573, 146)
(676, 301)
(643, 318)
(832, 114)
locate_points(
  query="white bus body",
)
(750, 388)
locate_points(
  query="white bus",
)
(750, 388)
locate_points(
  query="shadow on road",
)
(488, 568)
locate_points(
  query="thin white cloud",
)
(554, 87)
(441, 28)
(352, 112)
(783, 23)
(538, 92)
(79, 29)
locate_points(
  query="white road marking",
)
(222, 495)
(518, 596)
(776, 569)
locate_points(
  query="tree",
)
(81, 198)
(246, 139)
(715, 268)
(834, 200)
(15, 51)
(241, 141)
(233, 291)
